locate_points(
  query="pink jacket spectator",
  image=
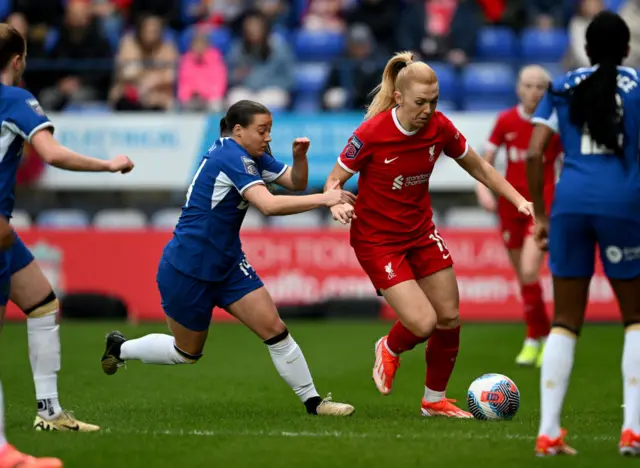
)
(205, 76)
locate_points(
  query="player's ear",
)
(398, 97)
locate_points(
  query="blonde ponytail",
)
(383, 93)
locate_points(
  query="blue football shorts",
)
(12, 260)
(190, 301)
(573, 239)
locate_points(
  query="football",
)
(493, 396)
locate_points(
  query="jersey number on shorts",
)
(440, 243)
(246, 267)
(588, 146)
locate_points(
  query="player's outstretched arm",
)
(59, 156)
(484, 195)
(540, 139)
(487, 175)
(280, 205)
(296, 177)
(342, 213)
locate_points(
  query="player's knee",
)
(449, 320)
(422, 326)
(529, 275)
(47, 306)
(272, 328)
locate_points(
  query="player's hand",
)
(121, 163)
(541, 233)
(343, 213)
(336, 196)
(486, 199)
(300, 147)
(526, 208)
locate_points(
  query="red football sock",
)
(400, 339)
(441, 354)
(535, 312)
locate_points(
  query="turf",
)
(232, 409)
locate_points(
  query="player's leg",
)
(571, 258)
(32, 293)
(391, 275)
(12, 458)
(248, 300)
(535, 310)
(432, 263)
(619, 242)
(188, 303)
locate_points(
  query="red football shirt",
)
(395, 166)
(513, 129)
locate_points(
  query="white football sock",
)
(44, 354)
(557, 364)
(156, 348)
(431, 396)
(292, 367)
(3, 440)
(631, 379)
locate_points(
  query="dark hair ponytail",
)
(593, 101)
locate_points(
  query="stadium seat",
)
(489, 104)
(185, 7)
(166, 218)
(120, 219)
(220, 38)
(318, 45)
(613, 5)
(469, 217)
(496, 43)
(20, 219)
(543, 46)
(253, 219)
(488, 80)
(308, 103)
(307, 220)
(311, 77)
(63, 218)
(5, 8)
(447, 80)
(556, 70)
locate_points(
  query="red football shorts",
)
(388, 265)
(516, 227)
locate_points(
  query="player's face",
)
(419, 102)
(531, 88)
(256, 137)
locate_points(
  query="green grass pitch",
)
(232, 409)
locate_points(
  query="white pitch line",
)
(439, 435)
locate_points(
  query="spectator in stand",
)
(441, 29)
(34, 80)
(168, 10)
(381, 17)
(260, 65)
(219, 12)
(145, 69)
(630, 12)
(546, 14)
(577, 55)
(361, 70)
(41, 14)
(276, 11)
(324, 15)
(80, 40)
(202, 81)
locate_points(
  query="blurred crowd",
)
(161, 55)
